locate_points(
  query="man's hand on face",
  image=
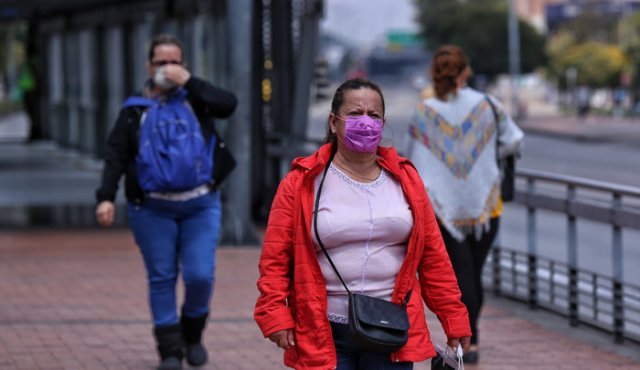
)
(177, 74)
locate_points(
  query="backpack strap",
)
(139, 105)
(137, 101)
(496, 118)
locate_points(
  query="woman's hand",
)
(464, 342)
(105, 213)
(177, 74)
(283, 338)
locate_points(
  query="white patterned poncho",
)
(453, 146)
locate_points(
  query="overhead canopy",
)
(24, 9)
(13, 9)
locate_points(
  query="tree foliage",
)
(597, 64)
(480, 28)
(12, 34)
(629, 41)
(596, 46)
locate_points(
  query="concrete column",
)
(237, 225)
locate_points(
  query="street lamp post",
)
(571, 74)
(514, 57)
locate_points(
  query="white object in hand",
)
(160, 80)
(451, 356)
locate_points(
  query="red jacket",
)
(292, 287)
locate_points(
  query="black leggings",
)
(467, 258)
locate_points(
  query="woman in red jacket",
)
(376, 223)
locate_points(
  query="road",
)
(614, 162)
(605, 161)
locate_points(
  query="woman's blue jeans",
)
(175, 236)
(352, 357)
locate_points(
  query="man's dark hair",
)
(164, 39)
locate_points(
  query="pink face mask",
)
(362, 133)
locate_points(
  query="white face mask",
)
(161, 81)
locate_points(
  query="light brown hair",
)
(449, 62)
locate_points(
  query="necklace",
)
(352, 173)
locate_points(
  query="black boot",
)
(192, 328)
(169, 340)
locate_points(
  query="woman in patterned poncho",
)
(455, 137)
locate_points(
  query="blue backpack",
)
(173, 155)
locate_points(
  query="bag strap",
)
(496, 118)
(138, 101)
(315, 223)
(139, 105)
(315, 229)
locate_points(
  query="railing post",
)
(532, 248)
(572, 256)
(616, 294)
(618, 304)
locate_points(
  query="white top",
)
(365, 228)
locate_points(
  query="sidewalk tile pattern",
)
(77, 300)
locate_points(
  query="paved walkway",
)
(76, 300)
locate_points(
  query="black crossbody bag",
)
(374, 324)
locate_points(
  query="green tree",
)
(557, 44)
(480, 28)
(597, 45)
(597, 64)
(629, 40)
(11, 52)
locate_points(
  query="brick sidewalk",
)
(77, 300)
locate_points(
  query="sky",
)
(364, 22)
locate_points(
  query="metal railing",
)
(585, 297)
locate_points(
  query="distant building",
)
(559, 12)
(534, 12)
(547, 15)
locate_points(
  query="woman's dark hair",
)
(448, 63)
(163, 39)
(338, 99)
